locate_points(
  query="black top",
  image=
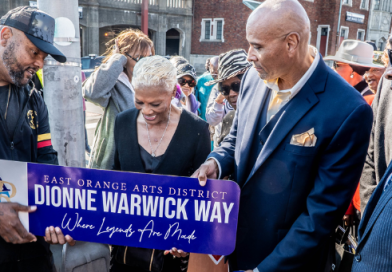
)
(24, 144)
(149, 162)
(361, 86)
(187, 150)
(16, 101)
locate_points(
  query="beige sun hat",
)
(356, 53)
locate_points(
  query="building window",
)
(212, 30)
(361, 35)
(364, 4)
(219, 25)
(207, 31)
(347, 2)
(344, 32)
(376, 4)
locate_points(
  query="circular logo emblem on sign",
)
(7, 190)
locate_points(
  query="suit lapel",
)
(260, 94)
(375, 206)
(298, 107)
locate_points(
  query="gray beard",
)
(15, 70)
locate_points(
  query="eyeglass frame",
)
(136, 60)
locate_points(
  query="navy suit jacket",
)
(375, 231)
(295, 196)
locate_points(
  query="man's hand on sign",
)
(11, 229)
(209, 169)
(54, 235)
(176, 253)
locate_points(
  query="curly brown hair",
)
(131, 41)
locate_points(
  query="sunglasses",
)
(182, 81)
(138, 58)
(235, 86)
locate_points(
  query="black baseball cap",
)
(38, 27)
(186, 69)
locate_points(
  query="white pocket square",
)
(307, 139)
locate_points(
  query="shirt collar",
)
(273, 84)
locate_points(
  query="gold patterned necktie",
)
(277, 103)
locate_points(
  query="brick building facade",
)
(219, 25)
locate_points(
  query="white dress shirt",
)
(275, 104)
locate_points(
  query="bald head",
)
(214, 64)
(278, 34)
(278, 18)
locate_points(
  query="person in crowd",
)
(110, 86)
(178, 60)
(379, 156)
(296, 147)
(157, 137)
(373, 76)
(23, 48)
(202, 91)
(353, 69)
(351, 60)
(218, 106)
(373, 252)
(187, 79)
(232, 65)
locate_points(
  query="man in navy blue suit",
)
(296, 148)
(375, 231)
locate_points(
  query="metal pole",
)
(63, 96)
(338, 30)
(145, 17)
(63, 90)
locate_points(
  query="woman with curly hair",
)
(109, 87)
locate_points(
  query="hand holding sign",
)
(55, 236)
(176, 253)
(11, 229)
(209, 169)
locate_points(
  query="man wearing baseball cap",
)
(26, 38)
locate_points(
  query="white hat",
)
(356, 53)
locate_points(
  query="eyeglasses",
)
(191, 83)
(235, 86)
(337, 65)
(138, 58)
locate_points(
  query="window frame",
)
(366, 5)
(349, 3)
(364, 33)
(347, 31)
(203, 28)
(214, 28)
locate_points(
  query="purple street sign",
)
(133, 209)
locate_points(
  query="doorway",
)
(172, 42)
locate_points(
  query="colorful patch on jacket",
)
(30, 116)
(44, 140)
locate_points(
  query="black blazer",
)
(187, 150)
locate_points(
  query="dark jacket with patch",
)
(31, 142)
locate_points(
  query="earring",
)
(352, 75)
